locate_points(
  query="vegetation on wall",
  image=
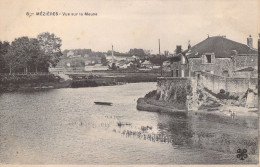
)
(222, 94)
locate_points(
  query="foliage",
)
(151, 94)
(137, 52)
(50, 45)
(3, 50)
(158, 59)
(223, 94)
(30, 54)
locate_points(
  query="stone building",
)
(216, 55)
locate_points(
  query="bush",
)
(222, 91)
(222, 94)
(151, 94)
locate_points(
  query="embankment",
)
(110, 81)
(176, 94)
(10, 83)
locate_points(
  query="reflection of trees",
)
(176, 127)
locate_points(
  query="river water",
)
(64, 126)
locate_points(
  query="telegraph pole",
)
(112, 54)
(160, 56)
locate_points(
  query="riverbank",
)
(231, 126)
(111, 81)
(153, 105)
(12, 83)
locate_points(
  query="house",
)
(179, 65)
(132, 58)
(216, 55)
(92, 60)
(70, 53)
(147, 64)
(96, 67)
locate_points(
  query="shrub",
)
(222, 91)
(151, 94)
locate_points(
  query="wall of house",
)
(180, 67)
(219, 67)
(178, 90)
(243, 61)
(235, 86)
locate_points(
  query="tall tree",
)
(50, 45)
(3, 50)
(36, 54)
(23, 53)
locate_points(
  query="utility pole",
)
(112, 54)
(160, 56)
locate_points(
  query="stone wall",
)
(243, 61)
(232, 85)
(178, 90)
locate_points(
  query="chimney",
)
(189, 46)
(250, 41)
(178, 49)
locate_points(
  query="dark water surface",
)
(64, 126)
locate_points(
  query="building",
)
(92, 60)
(147, 64)
(216, 55)
(96, 67)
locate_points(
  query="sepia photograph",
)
(133, 82)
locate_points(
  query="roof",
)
(220, 46)
(146, 62)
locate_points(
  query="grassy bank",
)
(109, 81)
(10, 83)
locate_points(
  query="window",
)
(177, 73)
(208, 58)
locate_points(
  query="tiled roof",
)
(220, 46)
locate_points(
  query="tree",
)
(23, 54)
(36, 54)
(50, 44)
(104, 60)
(3, 50)
(137, 52)
(10, 59)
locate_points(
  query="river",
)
(64, 126)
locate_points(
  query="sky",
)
(132, 23)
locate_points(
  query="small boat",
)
(103, 103)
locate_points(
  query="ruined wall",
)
(232, 85)
(213, 82)
(178, 90)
